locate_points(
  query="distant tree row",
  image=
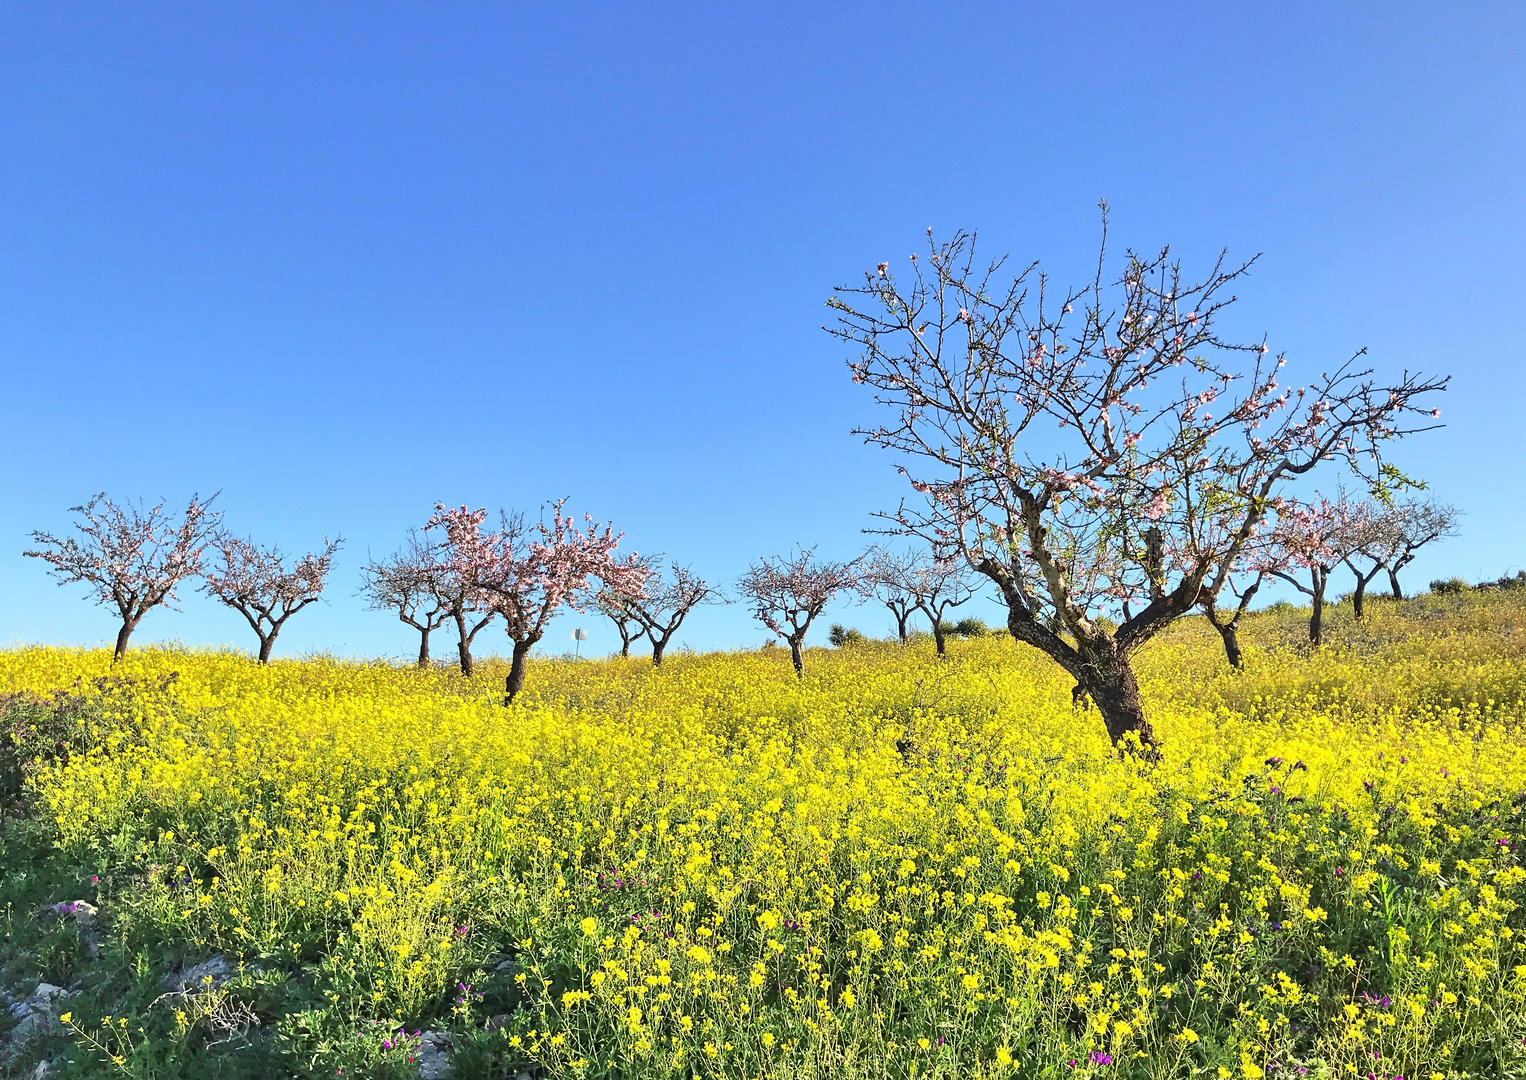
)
(1102, 455)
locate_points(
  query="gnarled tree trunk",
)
(423, 648)
(1393, 582)
(939, 638)
(1229, 632)
(797, 657)
(267, 642)
(1109, 681)
(516, 680)
(128, 626)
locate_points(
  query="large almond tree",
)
(1098, 453)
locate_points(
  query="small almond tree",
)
(256, 583)
(1313, 537)
(464, 557)
(412, 583)
(788, 593)
(132, 558)
(1410, 526)
(666, 600)
(528, 572)
(888, 576)
(1077, 447)
(939, 585)
(621, 611)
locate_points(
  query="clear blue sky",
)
(342, 261)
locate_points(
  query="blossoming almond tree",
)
(256, 583)
(788, 593)
(1099, 448)
(132, 558)
(666, 601)
(413, 583)
(620, 610)
(527, 572)
(1312, 538)
(1398, 533)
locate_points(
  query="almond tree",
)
(132, 558)
(938, 585)
(412, 583)
(666, 601)
(1313, 537)
(256, 583)
(528, 572)
(788, 593)
(1081, 449)
(888, 577)
(620, 610)
(1411, 526)
(464, 557)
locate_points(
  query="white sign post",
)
(578, 636)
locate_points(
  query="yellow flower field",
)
(897, 866)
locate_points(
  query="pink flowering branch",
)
(132, 558)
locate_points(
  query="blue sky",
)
(343, 261)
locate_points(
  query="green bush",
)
(841, 635)
(970, 627)
(1451, 586)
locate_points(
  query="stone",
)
(41, 1070)
(434, 1056)
(211, 972)
(498, 1021)
(38, 1014)
(81, 911)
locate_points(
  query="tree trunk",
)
(128, 626)
(658, 647)
(1109, 681)
(466, 657)
(1393, 581)
(1317, 615)
(267, 642)
(1229, 631)
(516, 680)
(625, 646)
(1357, 595)
(900, 626)
(796, 657)
(424, 648)
(939, 638)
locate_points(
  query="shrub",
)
(841, 635)
(1451, 586)
(970, 628)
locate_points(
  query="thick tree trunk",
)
(625, 646)
(1393, 582)
(1109, 681)
(796, 657)
(1357, 595)
(465, 650)
(516, 680)
(267, 642)
(658, 648)
(900, 626)
(128, 626)
(423, 648)
(1317, 614)
(939, 638)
